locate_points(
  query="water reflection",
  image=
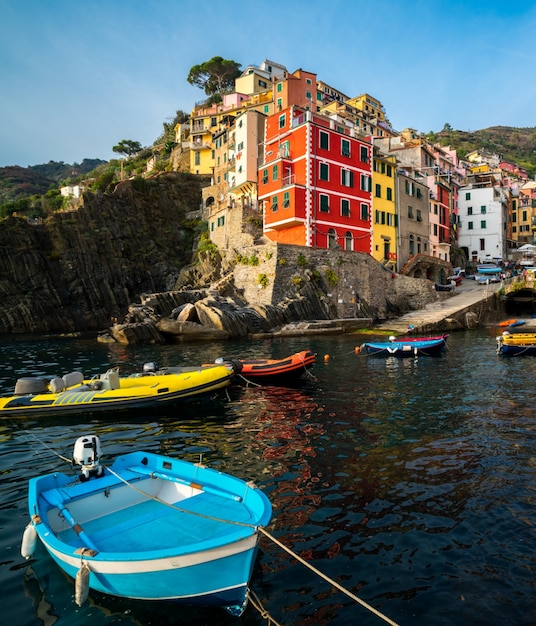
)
(410, 482)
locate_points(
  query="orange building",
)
(315, 181)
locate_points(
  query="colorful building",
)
(384, 209)
(315, 182)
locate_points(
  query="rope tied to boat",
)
(327, 578)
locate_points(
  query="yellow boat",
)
(518, 339)
(73, 394)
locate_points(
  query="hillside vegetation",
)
(516, 145)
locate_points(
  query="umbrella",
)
(528, 247)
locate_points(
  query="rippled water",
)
(412, 483)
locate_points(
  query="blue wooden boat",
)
(149, 527)
(407, 347)
(489, 268)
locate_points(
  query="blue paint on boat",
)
(152, 527)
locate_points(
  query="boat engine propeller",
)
(87, 453)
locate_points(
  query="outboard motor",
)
(87, 453)
(150, 368)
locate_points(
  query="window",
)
(469, 225)
(282, 120)
(377, 215)
(345, 147)
(364, 212)
(436, 230)
(347, 178)
(469, 210)
(389, 171)
(363, 154)
(411, 245)
(264, 177)
(410, 212)
(332, 238)
(483, 209)
(197, 158)
(483, 224)
(266, 109)
(419, 215)
(324, 203)
(348, 241)
(366, 183)
(467, 195)
(324, 171)
(308, 81)
(275, 172)
(324, 140)
(482, 244)
(286, 200)
(389, 193)
(279, 87)
(308, 95)
(279, 104)
(378, 192)
(274, 204)
(345, 207)
(284, 149)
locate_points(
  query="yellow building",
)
(384, 209)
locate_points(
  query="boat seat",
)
(73, 378)
(56, 385)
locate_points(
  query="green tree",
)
(127, 147)
(216, 76)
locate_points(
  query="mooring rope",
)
(327, 578)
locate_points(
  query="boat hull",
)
(277, 370)
(133, 393)
(154, 528)
(411, 347)
(513, 349)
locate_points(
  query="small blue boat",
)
(149, 527)
(407, 347)
(489, 268)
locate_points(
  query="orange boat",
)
(276, 370)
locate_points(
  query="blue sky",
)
(78, 76)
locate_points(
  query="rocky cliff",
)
(78, 269)
(120, 262)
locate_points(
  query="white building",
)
(483, 218)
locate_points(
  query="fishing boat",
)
(148, 527)
(270, 371)
(71, 393)
(489, 268)
(516, 344)
(407, 346)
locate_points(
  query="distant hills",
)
(516, 145)
(21, 182)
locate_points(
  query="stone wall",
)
(349, 284)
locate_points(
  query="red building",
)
(315, 181)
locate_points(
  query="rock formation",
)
(120, 264)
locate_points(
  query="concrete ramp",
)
(460, 309)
